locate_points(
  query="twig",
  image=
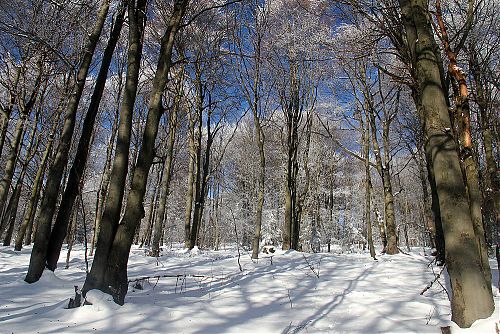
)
(436, 279)
(237, 240)
(168, 276)
(290, 299)
(313, 269)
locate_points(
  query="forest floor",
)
(286, 292)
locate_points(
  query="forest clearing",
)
(291, 292)
(276, 166)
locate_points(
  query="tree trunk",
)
(190, 182)
(72, 231)
(6, 112)
(368, 186)
(471, 296)
(75, 178)
(111, 214)
(430, 227)
(10, 166)
(167, 171)
(471, 170)
(39, 252)
(11, 212)
(198, 177)
(26, 227)
(115, 280)
(260, 144)
(104, 184)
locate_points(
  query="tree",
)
(115, 266)
(472, 298)
(38, 254)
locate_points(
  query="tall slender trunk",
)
(25, 229)
(104, 184)
(190, 182)
(39, 252)
(193, 237)
(10, 166)
(167, 171)
(6, 112)
(111, 214)
(365, 128)
(491, 179)
(471, 296)
(260, 137)
(146, 238)
(75, 177)
(471, 170)
(115, 280)
(10, 214)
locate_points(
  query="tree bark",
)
(114, 200)
(471, 170)
(25, 229)
(75, 178)
(104, 183)
(10, 166)
(471, 296)
(5, 112)
(365, 128)
(167, 171)
(39, 252)
(190, 182)
(115, 278)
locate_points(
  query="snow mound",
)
(194, 251)
(101, 301)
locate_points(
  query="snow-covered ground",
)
(289, 293)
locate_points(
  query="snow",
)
(284, 292)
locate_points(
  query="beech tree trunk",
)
(6, 111)
(115, 267)
(167, 171)
(111, 214)
(104, 183)
(471, 295)
(54, 178)
(26, 227)
(75, 177)
(10, 166)
(365, 128)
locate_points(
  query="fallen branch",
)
(169, 276)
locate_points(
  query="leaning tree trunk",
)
(39, 252)
(11, 212)
(9, 216)
(115, 280)
(6, 112)
(75, 178)
(25, 229)
(111, 214)
(471, 296)
(104, 184)
(10, 166)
